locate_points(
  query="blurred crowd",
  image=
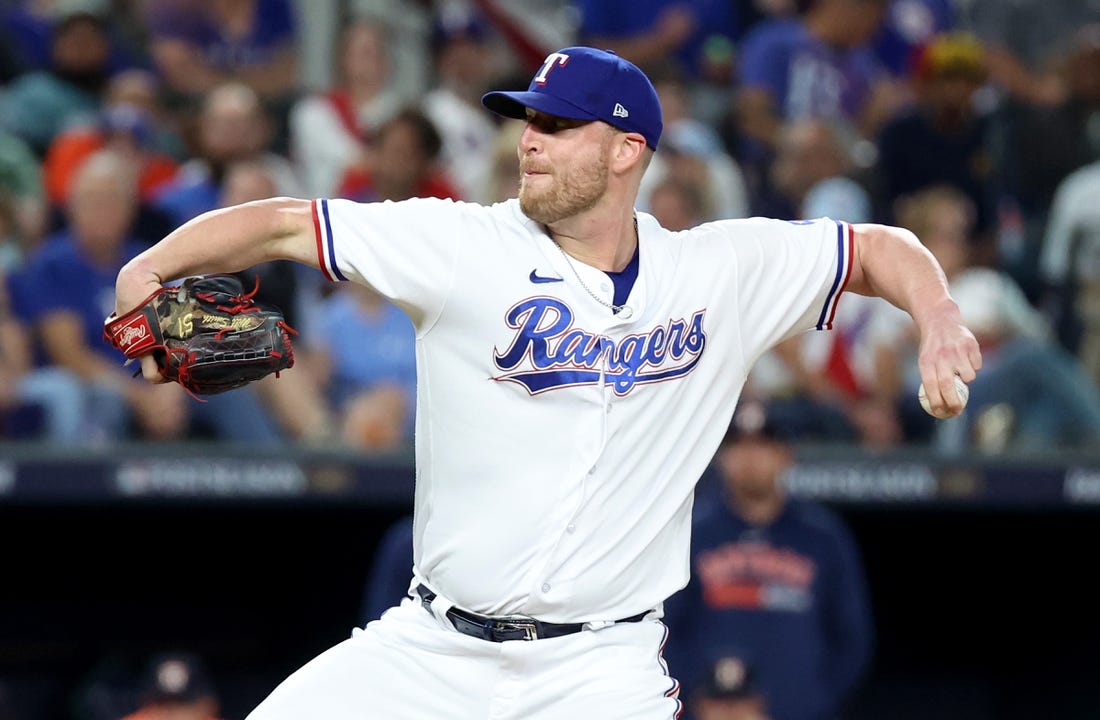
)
(974, 123)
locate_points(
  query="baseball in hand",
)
(960, 387)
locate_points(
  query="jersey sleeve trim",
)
(326, 252)
(844, 240)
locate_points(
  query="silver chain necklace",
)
(623, 311)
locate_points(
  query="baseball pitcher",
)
(577, 367)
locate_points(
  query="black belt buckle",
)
(507, 627)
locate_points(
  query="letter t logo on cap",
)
(548, 64)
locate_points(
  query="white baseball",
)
(960, 387)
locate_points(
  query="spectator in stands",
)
(23, 207)
(295, 399)
(674, 89)
(403, 164)
(65, 291)
(693, 151)
(1025, 41)
(34, 402)
(26, 27)
(364, 349)
(232, 126)
(177, 686)
(1043, 144)
(1069, 265)
(197, 46)
(698, 36)
(407, 28)
(67, 288)
(942, 139)
(463, 70)
(1032, 393)
(369, 375)
(39, 104)
(813, 173)
(127, 123)
(678, 204)
(332, 131)
(141, 88)
(391, 570)
(779, 578)
(123, 128)
(727, 691)
(819, 65)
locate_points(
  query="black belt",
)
(507, 627)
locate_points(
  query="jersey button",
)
(546, 587)
(570, 528)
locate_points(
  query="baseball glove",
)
(206, 334)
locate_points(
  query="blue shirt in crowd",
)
(59, 276)
(274, 26)
(805, 77)
(366, 349)
(789, 599)
(715, 21)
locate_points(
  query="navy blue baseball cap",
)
(583, 83)
(754, 419)
(728, 678)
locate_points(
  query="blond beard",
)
(570, 194)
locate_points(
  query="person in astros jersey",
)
(577, 367)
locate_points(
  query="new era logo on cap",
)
(582, 83)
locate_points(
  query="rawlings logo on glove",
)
(130, 337)
(206, 334)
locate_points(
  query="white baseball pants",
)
(408, 664)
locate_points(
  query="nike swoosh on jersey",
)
(536, 278)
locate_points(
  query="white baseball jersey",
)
(558, 444)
